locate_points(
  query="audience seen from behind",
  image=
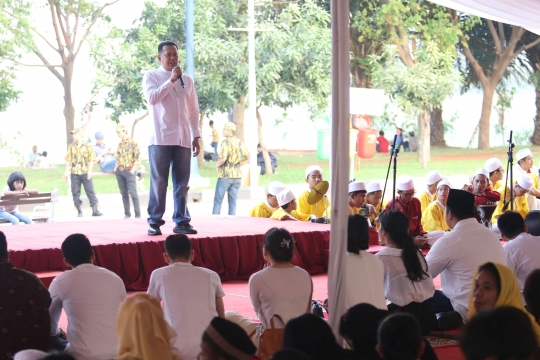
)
(531, 293)
(365, 272)
(192, 296)
(504, 333)
(495, 285)
(280, 290)
(522, 250)
(289, 354)
(407, 282)
(142, 330)
(225, 340)
(458, 254)
(91, 296)
(399, 338)
(24, 308)
(313, 336)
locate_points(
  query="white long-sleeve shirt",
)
(365, 280)
(91, 297)
(523, 256)
(173, 109)
(458, 254)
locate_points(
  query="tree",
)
(71, 23)
(533, 65)
(504, 102)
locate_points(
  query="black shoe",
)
(184, 229)
(138, 216)
(127, 216)
(95, 211)
(79, 211)
(154, 230)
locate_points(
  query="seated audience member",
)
(91, 296)
(280, 289)
(188, 312)
(495, 285)
(410, 206)
(382, 143)
(313, 336)
(430, 194)
(42, 162)
(407, 283)
(531, 293)
(532, 220)
(24, 304)
(365, 272)
(481, 189)
(314, 176)
(504, 333)
(142, 330)
(433, 216)
(522, 250)
(521, 188)
(224, 340)
(267, 207)
(495, 170)
(374, 197)
(399, 338)
(105, 155)
(16, 185)
(32, 157)
(460, 252)
(287, 208)
(357, 195)
(525, 167)
(289, 354)
(260, 160)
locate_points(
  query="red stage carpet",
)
(231, 246)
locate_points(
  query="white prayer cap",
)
(525, 182)
(481, 171)
(29, 355)
(432, 177)
(275, 187)
(404, 183)
(444, 182)
(357, 186)
(373, 186)
(523, 153)
(285, 197)
(313, 168)
(492, 164)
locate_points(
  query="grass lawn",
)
(449, 161)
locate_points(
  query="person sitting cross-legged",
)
(91, 297)
(192, 296)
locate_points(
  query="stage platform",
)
(231, 246)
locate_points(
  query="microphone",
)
(180, 79)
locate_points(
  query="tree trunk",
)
(437, 128)
(483, 128)
(535, 139)
(423, 138)
(239, 110)
(137, 120)
(200, 158)
(69, 109)
(266, 157)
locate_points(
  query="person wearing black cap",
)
(460, 252)
(227, 341)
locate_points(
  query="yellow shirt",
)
(520, 205)
(279, 214)
(234, 151)
(373, 217)
(263, 209)
(215, 135)
(433, 218)
(498, 185)
(318, 209)
(354, 211)
(426, 199)
(80, 156)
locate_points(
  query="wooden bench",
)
(50, 199)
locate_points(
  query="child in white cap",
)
(481, 189)
(287, 207)
(267, 207)
(521, 188)
(374, 197)
(496, 173)
(433, 218)
(357, 195)
(314, 175)
(525, 166)
(430, 194)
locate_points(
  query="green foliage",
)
(389, 121)
(522, 138)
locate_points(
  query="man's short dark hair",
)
(178, 246)
(381, 133)
(3, 247)
(211, 122)
(166, 43)
(511, 224)
(77, 250)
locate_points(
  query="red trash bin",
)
(367, 141)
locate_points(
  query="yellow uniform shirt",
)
(279, 214)
(426, 199)
(498, 185)
(354, 211)
(263, 209)
(234, 152)
(373, 217)
(433, 218)
(520, 205)
(80, 156)
(318, 209)
(215, 135)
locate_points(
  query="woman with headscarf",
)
(494, 286)
(143, 333)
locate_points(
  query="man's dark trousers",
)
(76, 181)
(128, 187)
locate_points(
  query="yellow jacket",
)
(426, 199)
(520, 205)
(306, 209)
(279, 214)
(262, 209)
(433, 218)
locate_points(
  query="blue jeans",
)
(440, 303)
(161, 159)
(108, 167)
(230, 186)
(14, 218)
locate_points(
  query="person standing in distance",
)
(174, 109)
(128, 158)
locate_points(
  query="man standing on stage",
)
(174, 109)
(127, 161)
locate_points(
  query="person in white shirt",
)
(192, 296)
(365, 272)
(407, 283)
(91, 297)
(457, 255)
(522, 250)
(174, 110)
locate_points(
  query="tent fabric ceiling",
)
(524, 13)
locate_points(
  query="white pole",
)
(251, 135)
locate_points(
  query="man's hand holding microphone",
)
(176, 74)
